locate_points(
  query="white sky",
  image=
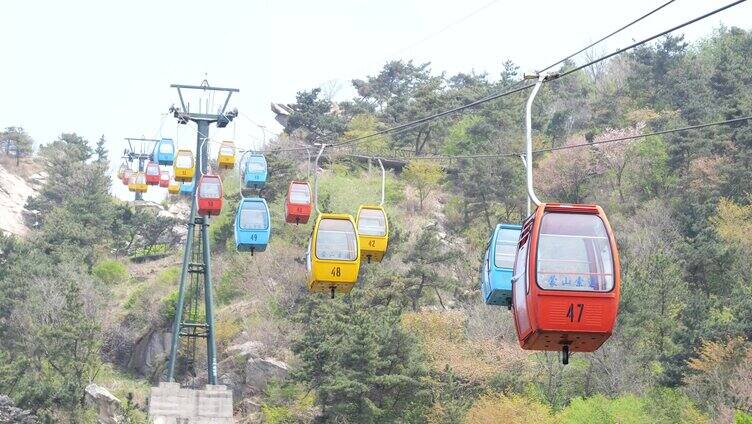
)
(101, 67)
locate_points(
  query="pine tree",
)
(362, 364)
(72, 348)
(426, 276)
(16, 142)
(101, 151)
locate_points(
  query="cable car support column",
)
(211, 346)
(177, 324)
(202, 265)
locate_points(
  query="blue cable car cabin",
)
(186, 188)
(254, 171)
(252, 225)
(164, 154)
(496, 270)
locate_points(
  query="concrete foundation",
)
(171, 404)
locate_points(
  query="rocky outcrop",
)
(105, 403)
(149, 352)
(247, 372)
(260, 371)
(14, 192)
(10, 414)
(179, 211)
(248, 349)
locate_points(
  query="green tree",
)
(426, 274)
(403, 92)
(16, 143)
(68, 174)
(284, 170)
(140, 230)
(72, 349)
(101, 150)
(316, 117)
(491, 189)
(78, 218)
(363, 125)
(424, 175)
(509, 409)
(360, 362)
(52, 345)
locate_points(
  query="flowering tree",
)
(613, 158)
(563, 173)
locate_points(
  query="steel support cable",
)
(593, 44)
(612, 140)
(552, 149)
(647, 40)
(409, 125)
(518, 89)
(530, 85)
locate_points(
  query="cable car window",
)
(336, 239)
(152, 169)
(165, 148)
(300, 194)
(520, 268)
(256, 167)
(227, 150)
(574, 253)
(184, 161)
(372, 222)
(506, 245)
(485, 268)
(308, 257)
(209, 189)
(253, 216)
(140, 178)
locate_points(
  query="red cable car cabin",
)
(298, 202)
(127, 176)
(164, 179)
(566, 279)
(152, 173)
(209, 195)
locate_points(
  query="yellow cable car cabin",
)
(173, 187)
(226, 159)
(132, 182)
(184, 165)
(373, 232)
(333, 258)
(137, 182)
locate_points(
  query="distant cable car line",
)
(446, 27)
